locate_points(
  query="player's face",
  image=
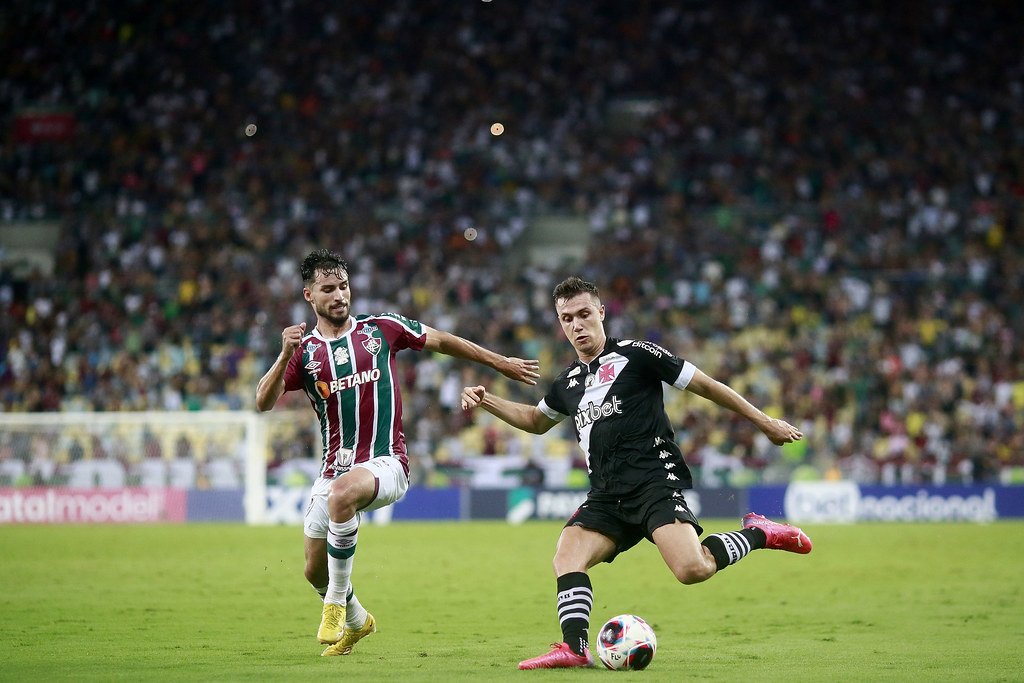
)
(582, 320)
(330, 297)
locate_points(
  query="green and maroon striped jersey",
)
(352, 384)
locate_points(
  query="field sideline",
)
(467, 601)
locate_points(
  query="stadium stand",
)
(837, 233)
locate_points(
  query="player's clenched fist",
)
(472, 397)
(290, 338)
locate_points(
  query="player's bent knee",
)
(561, 567)
(565, 564)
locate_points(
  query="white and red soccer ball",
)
(626, 643)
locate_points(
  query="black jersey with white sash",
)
(618, 405)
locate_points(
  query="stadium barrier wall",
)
(803, 502)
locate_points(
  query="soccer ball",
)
(626, 643)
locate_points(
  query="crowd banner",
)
(44, 125)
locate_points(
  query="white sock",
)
(341, 548)
(355, 614)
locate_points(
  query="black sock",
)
(733, 546)
(575, 599)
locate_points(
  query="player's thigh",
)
(680, 548)
(353, 489)
(389, 482)
(579, 549)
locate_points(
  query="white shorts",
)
(392, 483)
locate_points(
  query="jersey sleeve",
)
(549, 411)
(293, 373)
(553, 406)
(663, 364)
(402, 332)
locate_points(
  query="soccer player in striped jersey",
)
(614, 394)
(346, 367)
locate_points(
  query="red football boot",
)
(780, 536)
(560, 657)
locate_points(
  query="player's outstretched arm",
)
(271, 385)
(526, 371)
(519, 415)
(778, 431)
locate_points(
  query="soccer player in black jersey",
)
(613, 393)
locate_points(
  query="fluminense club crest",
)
(371, 343)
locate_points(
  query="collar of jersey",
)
(604, 352)
(316, 332)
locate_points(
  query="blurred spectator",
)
(532, 475)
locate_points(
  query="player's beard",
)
(338, 316)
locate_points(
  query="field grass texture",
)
(467, 601)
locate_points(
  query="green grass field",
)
(467, 601)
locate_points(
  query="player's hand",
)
(525, 371)
(291, 337)
(472, 397)
(781, 432)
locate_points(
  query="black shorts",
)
(628, 520)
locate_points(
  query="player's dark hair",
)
(325, 261)
(573, 286)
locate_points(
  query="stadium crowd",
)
(820, 204)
